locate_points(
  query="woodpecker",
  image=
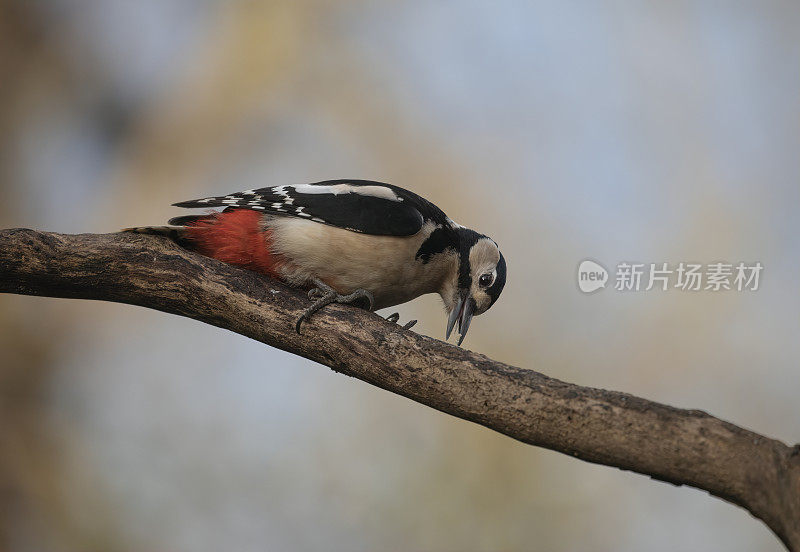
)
(348, 241)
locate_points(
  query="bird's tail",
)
(176, 233)
(234, 236)
(177, 229)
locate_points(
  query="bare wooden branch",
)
(682, 447)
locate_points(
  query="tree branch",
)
(682, 447)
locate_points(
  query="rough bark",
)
(682, 447)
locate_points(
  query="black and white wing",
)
(358, 205)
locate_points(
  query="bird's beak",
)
(462, 312)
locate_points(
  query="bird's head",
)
(477, 282)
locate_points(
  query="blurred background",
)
(615, 130)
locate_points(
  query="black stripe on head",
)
(439, 241)
(466, 239)
(499, 281)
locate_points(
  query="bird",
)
(348, 241)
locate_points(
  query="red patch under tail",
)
(235, 237)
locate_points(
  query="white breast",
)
(346, 260)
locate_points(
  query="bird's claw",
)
(410, 324)
(315, 293)
(395, 317)
(324, 295)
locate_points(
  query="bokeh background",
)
(616, 130)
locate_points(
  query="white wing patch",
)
(336, 189)
(337, 203)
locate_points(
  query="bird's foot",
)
(395, 317)
(322, 295)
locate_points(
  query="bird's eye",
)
(485, 280)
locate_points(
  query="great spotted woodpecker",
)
(346, 240)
